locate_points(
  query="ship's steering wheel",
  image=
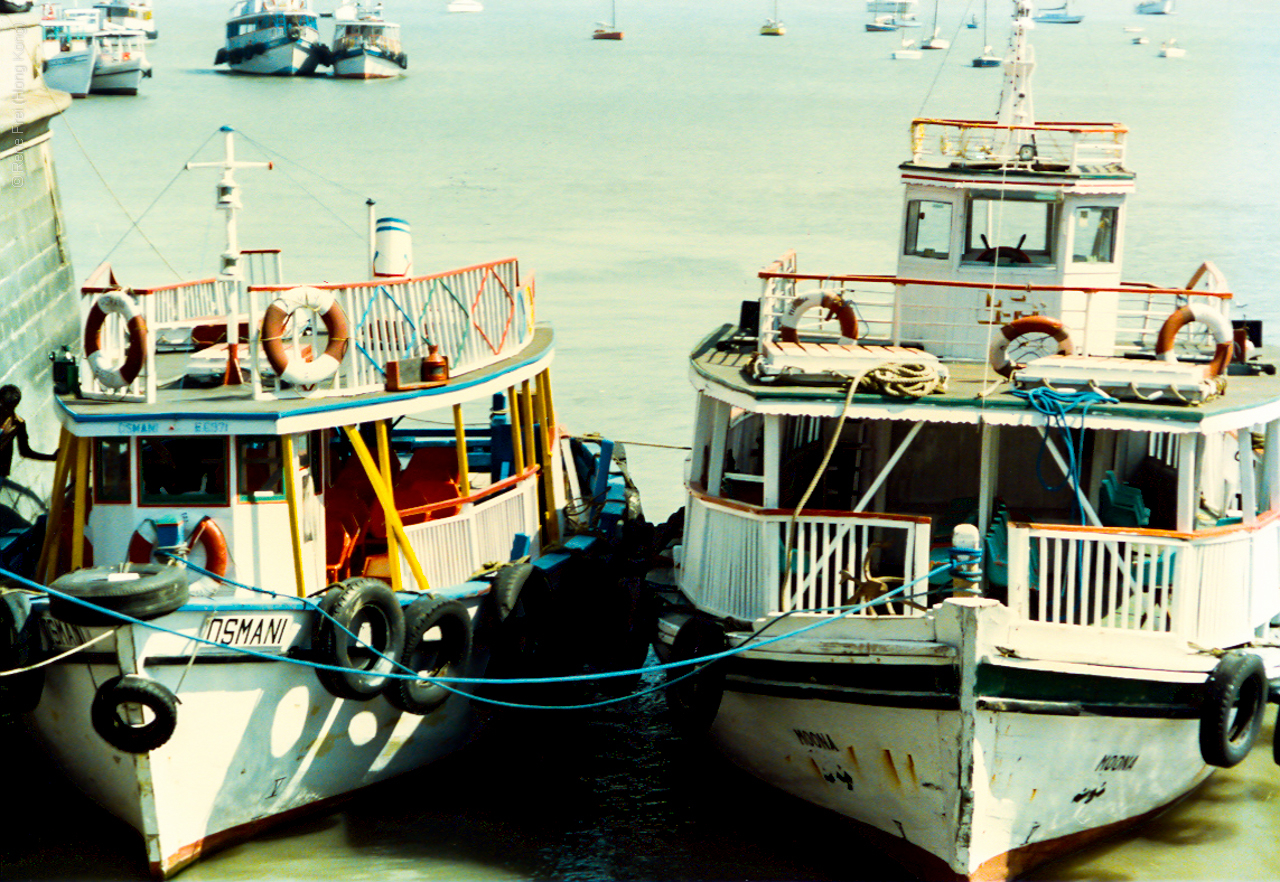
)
(1013, 253)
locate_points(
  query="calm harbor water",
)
(645, 182)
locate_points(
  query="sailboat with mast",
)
(988, 58)
(936, 41)
(608, 30)
(774, 26)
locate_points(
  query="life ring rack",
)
(112, 372)
(998, 355)
(1217, 324)
(299, 371)
(836, 306)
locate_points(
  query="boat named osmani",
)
(982, 555)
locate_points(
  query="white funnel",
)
(393, 248)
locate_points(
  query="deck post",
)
(384, 464)
(291, 496)
(460, 443)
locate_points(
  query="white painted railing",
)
(1212, 588)
(476, 316)
(738, 561)
(453, 549)
(940, 142)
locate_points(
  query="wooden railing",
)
(746, 562)
(1212, 587)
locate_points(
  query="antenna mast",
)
(228, 200)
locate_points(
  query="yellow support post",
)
(513, 412)
(388, 505)
(393, 544)
(81, 503)
(526, 413)
(53, 527)
(291, 498)
(550, 523)
(460, 441)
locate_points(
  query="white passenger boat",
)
(136, 15)
(254, 581)
(993, 567)
(273, 38)
(81, 38)
(365, 46)
(68, 58)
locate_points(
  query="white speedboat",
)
(464, 6)
(365, 46)
(1059, 14)
(255, 584)
(979, 554)
(272, 38)
(136, 15)
(1170, 49)
(68, 58)
(1155, 7)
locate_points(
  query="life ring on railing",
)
(1020, 327)
(207, 534)
(694, 698)
(1231, 709)
(835, 304)
(107, 713)
(1210, 318)
(359, 606)
(115, 373)
(437, 642)
(299, 371)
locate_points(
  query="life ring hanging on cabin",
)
(115, 373)
(299, 371)
(206, 533)
(1021, 327)
(789, 326)
(1210, 318)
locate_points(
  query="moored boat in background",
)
(991, 568)
(608, 30)
(273, 38)
(138, 15)
(365, 46)
(269, 593)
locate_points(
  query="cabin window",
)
(258, 468)
(183, 471)
(1010, 229)
(1094, 235)
(928, 229)
(111, 474)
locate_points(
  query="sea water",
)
(645, 183)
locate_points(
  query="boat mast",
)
(1016, 111)
(228, 199)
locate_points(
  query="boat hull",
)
(958, 785)
(294, 58)
(70, 72)
(366, 66)
(256, 741)
(123, 78)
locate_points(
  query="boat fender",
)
(112, 711)
(299, 371)
(221, 56)
(437, 642)
(508, 584)
(1210, 318)
(145, 591)
(528, 637)
(115, 373)
(1020, 327)
(21, 645)
(1231, 708)
(835, 306)
(369, 609)
(694, 700)
(207, 534)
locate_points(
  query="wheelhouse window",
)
(1094, 234)
(928, 229)
(1010, 229)
(111, 475)
(183, 471)
(259, 474)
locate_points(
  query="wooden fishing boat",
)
(982, 555)
(289, 511)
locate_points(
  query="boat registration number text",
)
(247, 630)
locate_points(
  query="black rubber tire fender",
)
(21, 645)
(695, 700)
(145, 591)
(369, 609)
(111, 725)
(1231, 708)
(437, 642)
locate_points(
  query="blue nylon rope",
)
(1057, 405)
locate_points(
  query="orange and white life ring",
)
(115, 373)
(834, 304)
(1020, 327)
(207, 534)
(298, 370)
(1215, 321)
